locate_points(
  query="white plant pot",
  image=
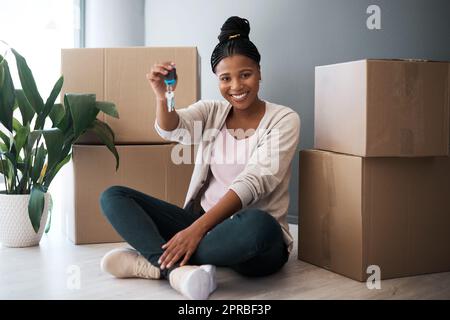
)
(16, 229)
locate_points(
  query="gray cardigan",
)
(264, 182)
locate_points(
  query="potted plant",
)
(31, 154)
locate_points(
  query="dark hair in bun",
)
(233, 39)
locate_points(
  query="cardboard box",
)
(383, 108)
(119, 75)
(391, 212)
(146, 168)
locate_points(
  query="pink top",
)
(228, 159)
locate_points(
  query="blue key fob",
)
(171, 78)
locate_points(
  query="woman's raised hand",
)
(156, 78)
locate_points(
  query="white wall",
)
(114, 23)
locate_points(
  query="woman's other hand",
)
(182, 245)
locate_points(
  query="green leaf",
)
(54, 140)
(28, 84)
(16, 125)
(7, 96)
(107, 107)
(54, 94)
(25, 107)
(2, 71)
(21, 137)
(40, 121)
(83, 111)
(11, 157)
(57, 114)
(111, 132)
(36, 206)
(53, 172)
(38, 163)
(6, 139)
(32, 138)
(11, 169)
(66, 123)
(3, 166)
(21, 166)
(103, 132)
(34, 135)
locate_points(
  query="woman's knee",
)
(262, 227)
(109, 194)
(259, 220)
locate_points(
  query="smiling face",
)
(239, 80)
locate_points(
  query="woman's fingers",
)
(169, 247)
(187, 256)
(159, 69)
(166, 246)
(175, 258)
(171, 255)
(156, 74)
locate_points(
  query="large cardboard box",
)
(119, 75)
(356, 212)
(146, 168)
(383, 108)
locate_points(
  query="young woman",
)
(235, 210)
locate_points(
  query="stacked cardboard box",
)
(374, 192)
(119, 75)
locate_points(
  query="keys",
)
(170, 96)
(170, 79)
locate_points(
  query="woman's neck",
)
(256, 108)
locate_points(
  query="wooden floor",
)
(50, 270)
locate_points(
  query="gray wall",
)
(114, 23)
(293, 36)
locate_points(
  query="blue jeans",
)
(251, 242)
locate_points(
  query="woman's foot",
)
(194, 282)
(128, 263)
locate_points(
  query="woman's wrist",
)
(199, 227)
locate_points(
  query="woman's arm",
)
(190, 123)
(229, 204)
(168, 121)
(269, 164)
(178, 125)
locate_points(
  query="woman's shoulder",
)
(276, 108)
(278, 112)
(213, 109)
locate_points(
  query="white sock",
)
(212, 273)
(194, 282)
